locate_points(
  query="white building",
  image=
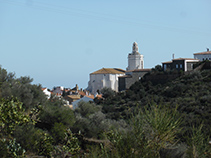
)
(105, 77)
(203, 55)
(83, 99)
(46, 92)
(135, 59)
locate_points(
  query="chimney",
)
(173, 56)
(208, 49)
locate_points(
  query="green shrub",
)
(11, 115)
(198, 144)
(10, 148)
(34, 140)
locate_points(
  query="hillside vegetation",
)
(168, 119)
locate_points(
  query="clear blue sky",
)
(60, 42)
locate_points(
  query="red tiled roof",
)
(43, 89)
(109, 71)
(184, 59)
(99, 96)
(74, 96)
(82, 93)
(168, 62)
(202, 53)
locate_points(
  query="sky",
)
(60, 42)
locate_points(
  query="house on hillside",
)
(184, 64)
(105, 77)
(203, 55)
(46, 92)
(83, 99)
(58, 90)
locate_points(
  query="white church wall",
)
(98, 81)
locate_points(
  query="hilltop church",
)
(118, 79)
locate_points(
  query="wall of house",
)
(178, 65)
(167, 66)
(189, 66)
(47, 93)
(202, 57)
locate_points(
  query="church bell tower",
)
(135, 59)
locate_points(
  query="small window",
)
(177, 66)
(181, 66)
(191, 65)
(164, 67)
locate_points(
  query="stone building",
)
(131, 77)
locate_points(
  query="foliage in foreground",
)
(120, 125)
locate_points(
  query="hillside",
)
(190, 93)
(166, 117)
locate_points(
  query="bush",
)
(34, 140)
(10, 148)
(151, 131)
(50, 115)
(11, 115)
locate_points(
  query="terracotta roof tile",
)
(184, 59)
(82, 93)
(202, 53)
(74, 96)
(109, 71)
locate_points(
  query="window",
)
(177, 66)
(181, 66)
(164, 67)
(191, 65)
